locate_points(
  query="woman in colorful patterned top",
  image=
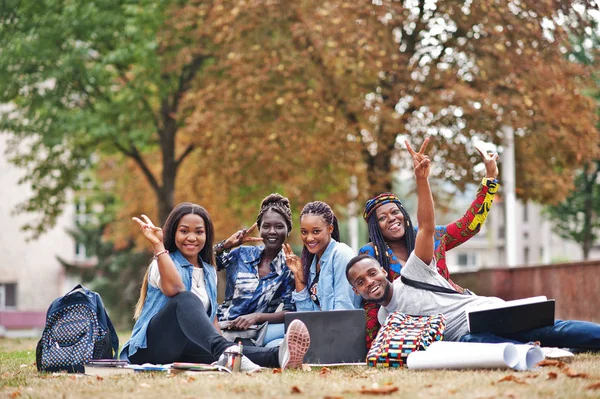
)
(258, 278)
(392, 234)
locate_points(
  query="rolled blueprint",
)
(464, 355)
(529, 356)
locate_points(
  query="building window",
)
(526, 255)
(8, 295)
(526, 212)
(81, 219)
(467, 259)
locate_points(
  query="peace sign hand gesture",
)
(489, 160)
(421, 162)
(151, 232)
(294, 263)
(241, 237)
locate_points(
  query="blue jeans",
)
(563, 334)
(274, 335)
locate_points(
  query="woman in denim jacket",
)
(320, 276)
(176, 313)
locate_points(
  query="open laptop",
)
(336, 336)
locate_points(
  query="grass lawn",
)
(577, 379)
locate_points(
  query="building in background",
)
(31, 276)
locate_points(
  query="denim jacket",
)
(333, 290)
(156, 300)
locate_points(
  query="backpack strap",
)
(427, 287)
(101, 313)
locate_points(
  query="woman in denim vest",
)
(176, 313)
(320, 276)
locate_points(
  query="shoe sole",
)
(298, 341)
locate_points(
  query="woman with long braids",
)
(258, 279)
(392, 234)
(320, 276)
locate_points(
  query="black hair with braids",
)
(376, 237)
(276, 203)
(321, 209)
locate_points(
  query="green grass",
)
(19, 379)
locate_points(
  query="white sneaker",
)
(294, 345)
(246, 366)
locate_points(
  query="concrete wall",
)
(574, 286)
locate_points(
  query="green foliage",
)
(79, 77)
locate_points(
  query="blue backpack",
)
(77, 330)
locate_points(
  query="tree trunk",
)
(379, 170)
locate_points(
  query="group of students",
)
(177, 315)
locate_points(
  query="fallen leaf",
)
(552, 376)
(594, 386)
(386, 390)
(276, 371)
(325, 371)
(512, 378)
(574, 374)
(295, 389)
(191, 379)
(428, 385)
(332, 397)
(306, 367)
(452, 391)
(551, 362)
(99, 378)
(15, 394)
(531, 376)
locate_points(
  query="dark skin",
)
(273, 231)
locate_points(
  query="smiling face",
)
(370, 281)
(315, 233)
(391, 221)
(273, 230)
(190, 237)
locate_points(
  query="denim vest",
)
(333, 290)
(156, 300)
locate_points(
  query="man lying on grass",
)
(369, 280)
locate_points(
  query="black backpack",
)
(77, 330)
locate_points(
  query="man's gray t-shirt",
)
(419, 302)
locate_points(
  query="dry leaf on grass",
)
(306, 367)
(574, 374)
(99, 378)
(332, 397)
(428, 386)
(190, 379)
(512, 378)
(386, 390)
(295, 389)
(276, 371)
(531, 376)
(551, 362)
(552, 376)
(325, 371)
(594, 386)
(15, 394)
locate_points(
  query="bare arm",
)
(171, 283)
(424, 244)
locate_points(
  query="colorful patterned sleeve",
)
(470, 223)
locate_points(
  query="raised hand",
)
(489, 160)
(294, 263)
(241, 237)
(421, 162)
(152, 233)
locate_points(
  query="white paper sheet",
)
(467, 355)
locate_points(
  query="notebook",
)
(511, 316)
(336, 336)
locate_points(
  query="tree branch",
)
(134, 154)
(187, 152)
